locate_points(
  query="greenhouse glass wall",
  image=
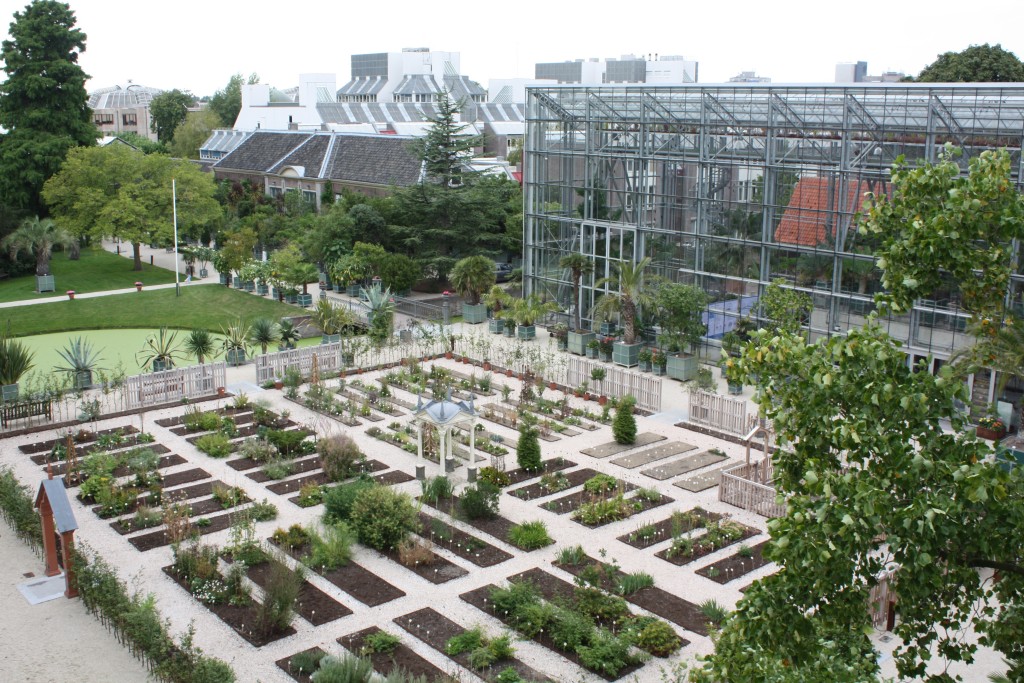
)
(733, 187)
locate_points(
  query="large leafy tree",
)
(167, 111)
(227, 103)
(192, 133)
(872, 479)
(43, 102)
(115, 191)
(976, 64)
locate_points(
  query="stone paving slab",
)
(683, 465)
(607, 450)
(704, 480)
(645, 457)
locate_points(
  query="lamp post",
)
(174, 206)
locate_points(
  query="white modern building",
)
(652, 69)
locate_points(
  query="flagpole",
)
(174, 204)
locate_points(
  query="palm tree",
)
(38, 237)
(631, 296)
(200, 344)
(288, 333)
(472, 276)
(999, 349)
(264, 332)
(578, 265)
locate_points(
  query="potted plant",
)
(382, 312)
(263, 332)
(644, 358)
(160, 350)
(605, 346)
(200, 345)
(497, 300)
(471, 277)
(221, 264)
(659, 363)
(38, 237)
(598, 375)
(592, 348)
(680, 312)
(991, 427)
(578, 265)
(629, 295)
(288, 334)
(527, 311)
(331, 320)
(561, 333)
(15, 361)
(80, 361)
(235, 342)
(203, 255)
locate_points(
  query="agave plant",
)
(263, 332)
(15, 361)
(382, 311)
(160, 350)
(235, 342)
(200, 344)
(81, 360)
(288, 333)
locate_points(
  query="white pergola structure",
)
(446, 416)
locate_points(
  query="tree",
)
(192, 133)
(43, 102)
(38, 237)
(227, 103)
(680, 309)
(976, 64)
(115, 191)
(578, 265)
(872, 480)
(630, 295)
(445, 149)
(167, 111)
(472, 276)
(785, 309)
(940, 225)
(528, 449)
(624, 424)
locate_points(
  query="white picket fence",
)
(270, 366)
(750, 487)
(618, 382)
(719, 412)
(156, 388)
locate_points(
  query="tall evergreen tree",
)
(43, 102)
(446, 148)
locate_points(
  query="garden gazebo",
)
(446, 416)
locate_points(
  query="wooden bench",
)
(25, 410)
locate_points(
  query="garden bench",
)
(25, 410)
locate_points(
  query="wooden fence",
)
(749, 487)
(719, 412)
(271, 366)
(618, 382)
(155, 388)
(882, 594)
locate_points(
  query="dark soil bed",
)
(180, 419)
(549, 586)
(735, 566)
(360, 583)
(60, 466)
(236, 617)
(537, 490)
(645, 504)
(319, 479)
(285, 665)
(246, 431)
(157, 539)
(435, 569)
(700, 550)
(302, 466)
(496, 526)
(519, 475)
(313, 604)
(466, 546)
(435, 629)
(573, 501)
(387, 479)
(240, 420)
(662, 531)
(203, 507)
(655, 600)
(402, 657)
(126, 526)
(80, 438)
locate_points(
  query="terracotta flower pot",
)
(138, 286)
(71, 294)
(448, 355)
(487, 365)
(602, 400)
(508, 373)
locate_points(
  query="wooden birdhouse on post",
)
(58, 519)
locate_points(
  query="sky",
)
(197, 45)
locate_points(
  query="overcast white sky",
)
(197, 44)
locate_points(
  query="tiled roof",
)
(815, 206)
(374, 159)
(261, 151)
(309, 155)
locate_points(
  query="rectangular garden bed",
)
(285, 664)
(573, 501)
(360, 583)
(496, 526)
(61, 466)
(387, 479)
(678, 523)
(81, 438)
(464, 545)
(402, 657)
(125, 525)
(299, 466)
(735, 566)
(539, 490)
(157, 539)
(519, 475)
(313, 604)
(702, 546)
(319, 479)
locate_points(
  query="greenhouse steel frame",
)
(733, 187)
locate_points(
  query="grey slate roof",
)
(310, 155)
(261, 151)
(369, 85)
(63, 516)
(417, 84)
(223, 140)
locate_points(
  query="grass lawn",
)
(97, 270)
(208, 306)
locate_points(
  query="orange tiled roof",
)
(808, 221)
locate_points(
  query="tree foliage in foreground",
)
(976, 64)
(873, 480)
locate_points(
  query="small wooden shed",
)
(58, 518)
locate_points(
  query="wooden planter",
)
(496, 325)
(607, 329)
(682, 366)
(591, 353)
(235, 357)
(249, 286)
(625, 354)
(305, 300)
(990, 434)
(474, 314)
(578, 342)
(9, 392)
(262, 290)
(352, 290)
(526, 332)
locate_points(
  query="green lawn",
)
(97, 270)
(208, 306)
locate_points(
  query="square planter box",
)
(223, 278)
(474, 314)
(304, 300)
(591, 353)
(338, 288)
(236, 282)
(606, 357)
(83, 379)
(291, 298)
(563, 344)
(607, 329)
(682, 367)
(203, 272)
(249, 286)
(262, 290)
(645, 366)
(510, 331)
(496, 325)
(352, 290)
(625, 354)
(578, 342)
(9, 392)
(235, 356)
(658, 369)
(45, 283)
(735, 389)
(158, 366)
(330, 338)
(527, 332)
(990, 434)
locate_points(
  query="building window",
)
(103, 119)
(309, 196)
(275, 192)
(129, 119)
